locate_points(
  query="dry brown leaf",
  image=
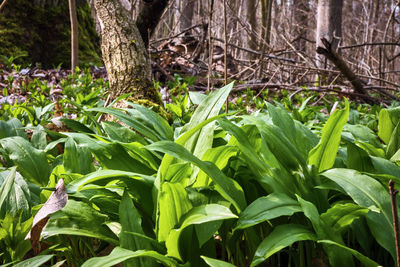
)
(57, 200)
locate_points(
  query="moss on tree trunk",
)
(124, 53)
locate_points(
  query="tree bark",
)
(329, 25)
(251, 21)
(124, 53)
(74, 35)
(301, 10)
(149, 16)
(187, 11)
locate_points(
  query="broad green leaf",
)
(210, 107)
(267, 208)
(117, 132)
(111, 155)
(226, 186)
(131, 222)
(385, 166)
(76, 125)
(372, 150)
(323, 155)
(168, 159)
(77, 158)
(245, 146)
(367, 262)
(119, 255)
(325, 231)
(31, 162)
(153, 119)
(388, 119)
(394, 142)
(173, 203)
(137, 125)
(358, 159)
(140, 153)
(340, 216)
(283, 149)
(12, 127)
(362, 133)
(100, 175)
(14, 194)
(220, 157)
(216, 263)
(281, 237)
(282, 119)
(78, 218)
(36, 261)
(198, 215)
(367, 192)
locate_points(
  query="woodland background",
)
(269, 44)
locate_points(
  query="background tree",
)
(329, 25)
(74, 35)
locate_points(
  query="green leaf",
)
(173, 203)
(131, 221)
(282, 236)
(226, 186)
(14, 194)
(388, 119)
(12, 127)
(282, 119)
(146, 128)
(367, 262)
(119, 255)
(367, 192)
(198, 215)
(216, 263)
(77, 158)
(111, 155)
(101, 175)
(36, 261)
(220, 157)
(341, 216)
(153, 119)
(76, 125)
(117, 132)
(267, 208)
(323, 155)
(78, 218)
(358, 159)
(31, 162)
(394, 142)
(208, 108)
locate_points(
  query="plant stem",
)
(393, 194)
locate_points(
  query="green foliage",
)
(286, 185)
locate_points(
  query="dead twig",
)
(2, 5)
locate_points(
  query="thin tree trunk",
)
(251, 22)
(301, 9)
(329, 25)
(124, 53)
(74, 35)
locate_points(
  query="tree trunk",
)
(74, 35)
(124, 53)
(149, 16)
(187, 11)
(301, 10)
(329, 25)
(251, 22)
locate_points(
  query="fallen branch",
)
(330, 54)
